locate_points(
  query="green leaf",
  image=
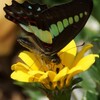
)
(88, 83)
(96, 43)
(91, 96)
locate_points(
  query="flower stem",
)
(59, 95)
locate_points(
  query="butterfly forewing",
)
(65, 21)
(23, 13)
(50, 28)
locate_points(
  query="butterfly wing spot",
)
(54, 30)
(10, 12)
(70, 20)
(30, 7)
(65, 23)
(81, 15)
(44, 36)
(76, 18)
(39, 9)
(52, 34)
(60, 26)
(26, 27)
(85, 13)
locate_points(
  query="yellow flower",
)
(50, 75)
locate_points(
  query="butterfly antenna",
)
(73, 48)
(81, 44)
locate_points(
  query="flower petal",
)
(61, 74)
(19, 66)
(20, 76)
(70, 48)
(50, 75)
(84, 63)
(43, 77)
(33, 73)
(81, 53)
(70, 76)
(47, 79)
(29, 59)
(68, 52)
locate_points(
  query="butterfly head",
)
(55, 59)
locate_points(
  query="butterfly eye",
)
(55, 59)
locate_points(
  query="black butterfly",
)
(48, 30)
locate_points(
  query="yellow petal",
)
(62, 82)
(20, 76)
(84, 63)
(50, 75)
(19, 66)
(81, 53)
(47, 86)
(47, 80)
(33, 73)
(54, 85)
(29, 59)
(43, 77)
(70, 76)
(68, 54)
(67, 59)
(61, 74)
(70, 48)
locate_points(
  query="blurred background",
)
(9, 49)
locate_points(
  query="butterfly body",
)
(27, 42)
(48, 30)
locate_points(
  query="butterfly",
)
(48, 30)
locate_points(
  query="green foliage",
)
(32, 90)
(91, 96)
(96, 10)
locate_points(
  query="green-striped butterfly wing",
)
(44, 35)
(65, 21)
(50, 28)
